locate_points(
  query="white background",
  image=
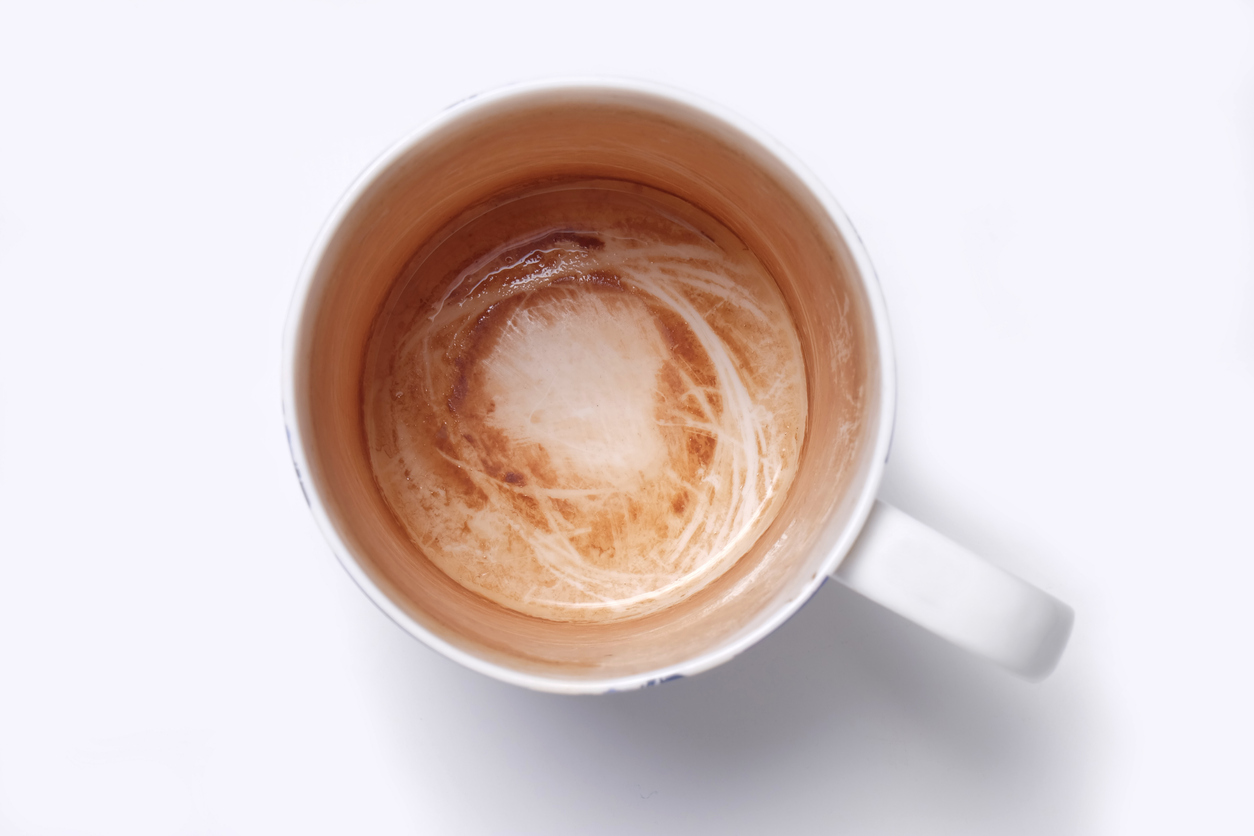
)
(1060, 202)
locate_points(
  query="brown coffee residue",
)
(585, 403)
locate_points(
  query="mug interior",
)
(495, 146)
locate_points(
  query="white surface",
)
(1060, 205)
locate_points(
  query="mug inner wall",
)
(513, 143)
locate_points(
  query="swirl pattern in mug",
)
(586, 403)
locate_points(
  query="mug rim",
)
(884, 420)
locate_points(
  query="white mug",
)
(831, 524)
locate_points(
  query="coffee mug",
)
(829, 523)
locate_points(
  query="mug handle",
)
(917, 573)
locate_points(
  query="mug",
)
(830, 523)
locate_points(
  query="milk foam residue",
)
(596, 417)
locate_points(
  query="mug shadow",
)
(847, 716)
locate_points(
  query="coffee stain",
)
(621, 407)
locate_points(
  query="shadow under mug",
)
(830, 523)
